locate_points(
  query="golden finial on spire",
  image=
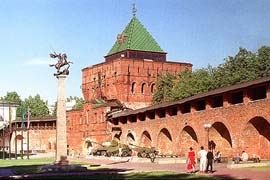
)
(134, 10)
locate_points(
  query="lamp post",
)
(207, 128)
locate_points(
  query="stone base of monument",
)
(62, 166)
(62, 162)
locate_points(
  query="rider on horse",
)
(62, 61)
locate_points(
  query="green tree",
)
(164, 86)
(78, 105)
(244, 66)
(190, 83)
(11, 97)
(263, 61)
(14, 98)
(237, 69)
(55, 109)
(37, 105)
(79, 102)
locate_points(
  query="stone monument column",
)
(61, 122)
(62, 67)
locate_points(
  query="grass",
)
(259, 168)
(32, 166)
(25, 162)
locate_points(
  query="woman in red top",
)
(191, 160)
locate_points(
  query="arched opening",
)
(255, 138)
(117, 136)
(146, 140)
(188, 139)
(133, 85)
(165, 142)
(220, 137)
(130, 139)
(143, 88)
(18, 142)
(153, 88)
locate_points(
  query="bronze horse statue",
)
(62, 61)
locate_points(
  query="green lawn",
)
(259, 168)
(32, 166)
(25, 162)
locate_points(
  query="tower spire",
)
(134, 10)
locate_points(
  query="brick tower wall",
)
(131, 81)
(87, 124)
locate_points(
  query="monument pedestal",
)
(62, 162)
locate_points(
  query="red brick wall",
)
(88, 124)
(234, 128)
(120, 79)
(39, 139)
(114, 80)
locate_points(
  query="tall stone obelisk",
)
(61, 122)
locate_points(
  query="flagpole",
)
(3, 144)
(28, 123)
(10, 132)
(16, 142)
(3, 130)
(22, 132)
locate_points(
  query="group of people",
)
(206, 159)
(243, 157)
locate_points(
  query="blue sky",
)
(200, 32)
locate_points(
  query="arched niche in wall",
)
(255, 138)
(146, 140)
(188, 138)
(220, 138)
(165, 142)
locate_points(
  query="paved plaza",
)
(221, 169)
(127, 165)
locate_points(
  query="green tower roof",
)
(135, 37)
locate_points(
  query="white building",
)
(69, 106)
(6, 110)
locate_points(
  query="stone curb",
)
(244, 165)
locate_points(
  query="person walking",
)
(90, 148)
(191, 161)
(210, 158)
(202, 154)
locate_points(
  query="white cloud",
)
(38, 62)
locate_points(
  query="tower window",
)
(152, 88)
(133, 87)
(143, 88)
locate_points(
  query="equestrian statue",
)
(62, 62)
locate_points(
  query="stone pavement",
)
(122, 165)
(221, 169)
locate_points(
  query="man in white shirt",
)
(202, 154)
(90, 150)
(244, 156)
